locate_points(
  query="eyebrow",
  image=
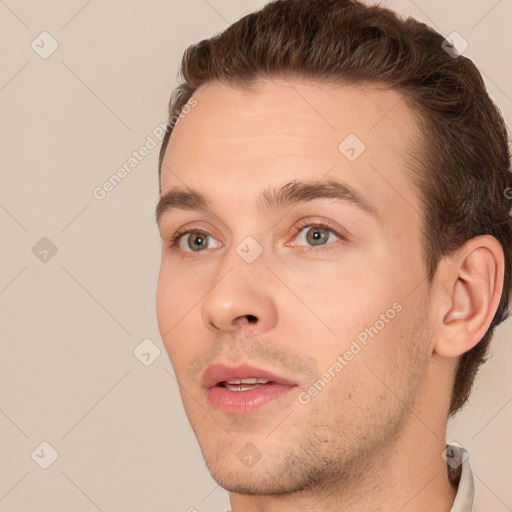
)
(289, 194)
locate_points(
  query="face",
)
(291, 295)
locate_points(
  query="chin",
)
(273, 475)
(251, 482)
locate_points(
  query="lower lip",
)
(244, 402)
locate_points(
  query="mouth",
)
(243, 389)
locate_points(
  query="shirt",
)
(461, 474)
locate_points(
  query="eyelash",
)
(175, 239)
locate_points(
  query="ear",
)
(466, 291)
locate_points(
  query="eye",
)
(193, 241)
(309, 236)
(316, 235)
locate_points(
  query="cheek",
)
(346, 297)
(176, 293)
(377, 379)
(176, 310)
(366, 309)
(165, 303)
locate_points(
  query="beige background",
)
(70, 324)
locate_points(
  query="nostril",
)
(251, 318)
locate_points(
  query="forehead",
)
(237, 140)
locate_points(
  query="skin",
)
(372, 438)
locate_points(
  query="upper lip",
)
(218, 372)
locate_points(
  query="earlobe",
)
(470, 295)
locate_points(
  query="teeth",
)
(239, 387)
(244, 384)
(247, 381)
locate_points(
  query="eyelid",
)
(190, 227)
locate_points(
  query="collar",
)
(460, 473)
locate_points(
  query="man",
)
(336, 253)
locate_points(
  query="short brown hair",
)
(463, 161)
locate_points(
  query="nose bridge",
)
(245, 255)
(246, 230)
(240, 296)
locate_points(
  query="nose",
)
(240, 298)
